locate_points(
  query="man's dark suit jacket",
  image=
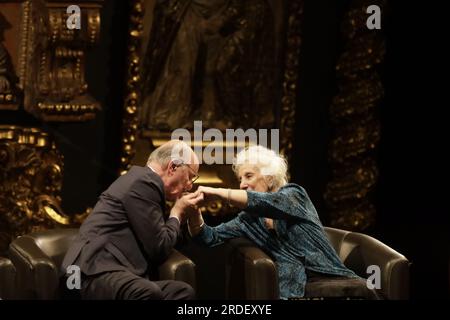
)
(126, 230)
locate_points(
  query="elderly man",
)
(127, 234)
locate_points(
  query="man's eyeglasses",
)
(195, 176)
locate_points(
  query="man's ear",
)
(171, 168)
(177, 162)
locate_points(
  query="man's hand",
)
(195, 222)
(186, 203)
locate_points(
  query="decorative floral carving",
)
(356, 125)
(31, 172)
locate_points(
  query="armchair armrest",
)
(7, 278)
(178, 267)
(253, 273)
(394, 267)
(37, 275)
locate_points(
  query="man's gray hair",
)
(176, 150)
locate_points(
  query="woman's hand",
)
(210, 193)
(237, 198)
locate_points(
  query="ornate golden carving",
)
(53, 60)
(9, 90)
(289, 98)
(31, 171)
(130, 118)
(357, 128)
(31, 179)
(8, 101)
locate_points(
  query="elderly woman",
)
(278, 216)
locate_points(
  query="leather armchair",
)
(38, 257)
(253, 275)
(7, 278)
(358, 251)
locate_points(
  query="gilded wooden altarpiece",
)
(228, 63)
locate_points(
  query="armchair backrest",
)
(359, 251)
(348, 251)
(54, 243)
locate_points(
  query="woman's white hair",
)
(271, 165)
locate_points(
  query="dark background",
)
(412, 211)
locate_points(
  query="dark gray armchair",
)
(253, 275)
(37, 258)
(358, 251)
